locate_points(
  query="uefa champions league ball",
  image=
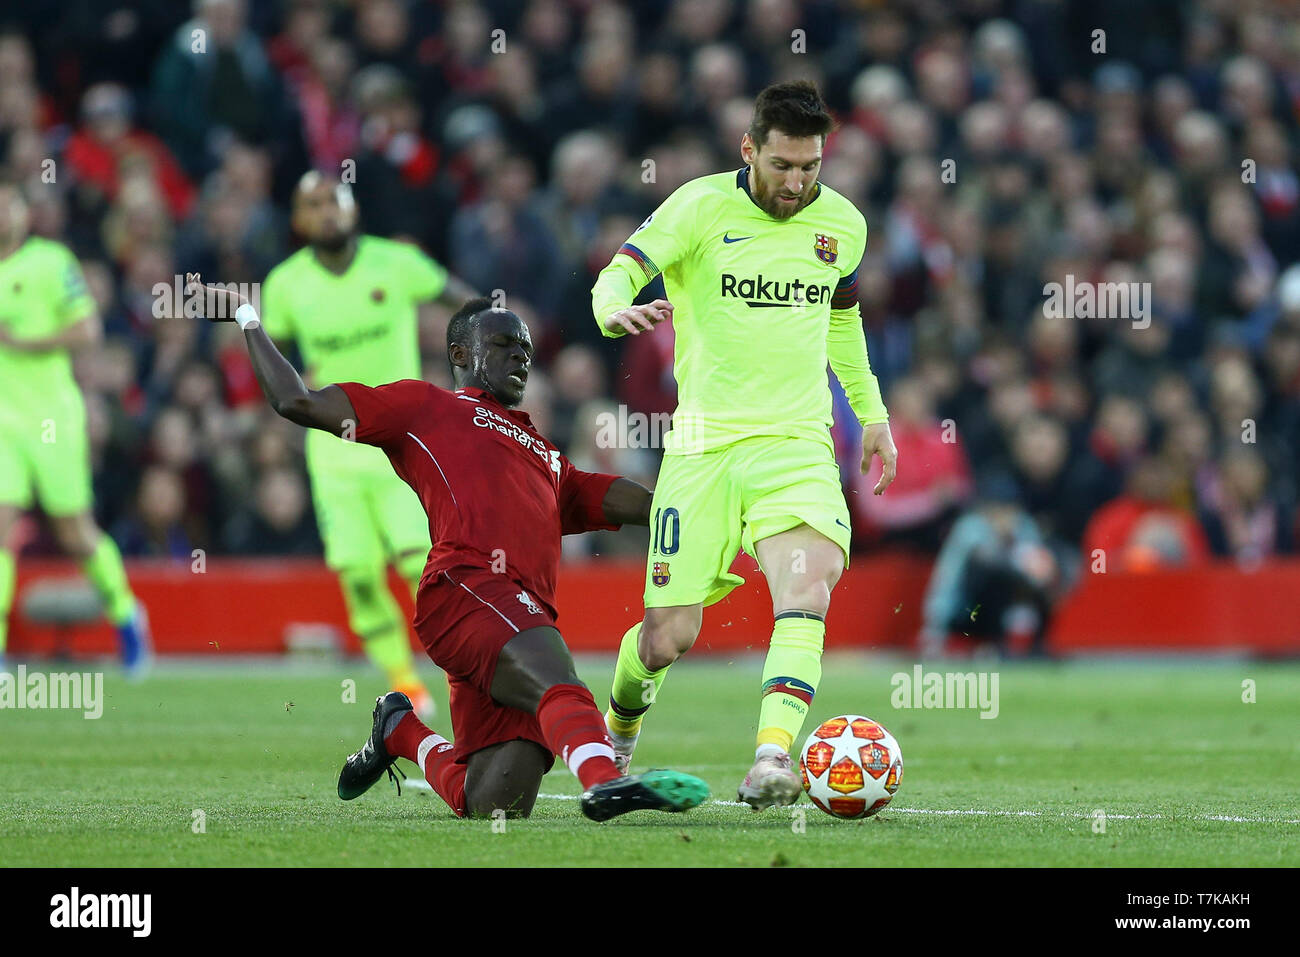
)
(851, 766)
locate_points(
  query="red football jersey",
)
(494, 490)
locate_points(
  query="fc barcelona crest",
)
(659, 574)
(827, 249)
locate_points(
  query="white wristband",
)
(246, 316)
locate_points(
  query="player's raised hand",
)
(638, 319)
(878, 440)
(219, 303)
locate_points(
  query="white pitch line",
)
(419, 784)
(1001, 813)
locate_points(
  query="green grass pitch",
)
(1186, 773)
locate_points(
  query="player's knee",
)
(657, 653)
(410, 565)
(663, 642)
(808, 593)
(503, 782)
(77, 535)
(813, 596)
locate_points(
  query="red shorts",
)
(464, 617)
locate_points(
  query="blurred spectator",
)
(604, 441)
(214, 84)
(107, 145)
(1243, 523)
(397, 188)
(1142, 529)
(137, 220)
(280, 521)
(583, 170)
(1134, 357)
(599, 96)
(156, 527)
(658, 107)
(1239, 270)
(575, 320)
(23, 102)
(1188, 448)
(173, 446)
(994, 578)
(579, 378)
(505, 242)
(921, 503)
(238, 234)
(458, 53)
(1118, 438)
(648, 384)
(547, 29)
(331, 126)
(516, 99)
(1040, 462)
(306, 24)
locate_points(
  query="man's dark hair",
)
(462, 324)
(794, 108)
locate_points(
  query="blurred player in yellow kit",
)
(46, 312)
(350, 303)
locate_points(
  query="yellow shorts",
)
(49, 455)
(367, 517)
(710, 505)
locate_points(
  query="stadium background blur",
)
(524, 170)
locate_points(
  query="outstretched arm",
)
(627, 503)
(328, 409)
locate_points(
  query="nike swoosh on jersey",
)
(734, 239)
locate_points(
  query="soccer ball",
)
(851, 766)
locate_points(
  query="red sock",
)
(435, 755)
(575, 730)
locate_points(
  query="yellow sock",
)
(790, 677)
(411, 567)
(105, 570)
(376, 619)
(635, 687)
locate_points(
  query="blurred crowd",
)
(993, 146)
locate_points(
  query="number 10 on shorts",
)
(667, 530)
